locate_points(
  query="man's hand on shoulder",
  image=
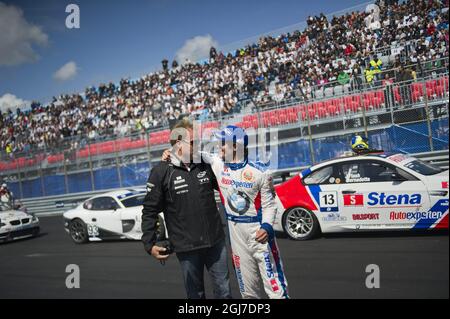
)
(166, 156)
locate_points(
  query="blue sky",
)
(129, 38)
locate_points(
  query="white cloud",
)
(10, 101)
(18, 37)
(66, 72)
(196, 48)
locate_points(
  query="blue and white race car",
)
(363, 193)
(113, 215)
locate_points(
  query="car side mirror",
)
(397, 177)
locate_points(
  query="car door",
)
(323, 185)
(105, 218)
(376, 194)
(131, 215)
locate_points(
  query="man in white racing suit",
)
(248, 196)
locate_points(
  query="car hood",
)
(12, 214)
(441, 176)
(70, 213)
(444, 173)
(438, 181)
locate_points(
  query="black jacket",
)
(186, 197)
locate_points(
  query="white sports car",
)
(113, 215)
(363, 193)
(15, 224)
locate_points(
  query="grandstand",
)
(317, 86)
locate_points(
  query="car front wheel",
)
(78, 231)
(300, 224)
(36, 232)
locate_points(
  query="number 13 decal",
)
(328, 202)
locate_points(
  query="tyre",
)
(300, 224)
(78, 231)
(36, 232)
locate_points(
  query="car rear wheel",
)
(300, 224)
(78, 231)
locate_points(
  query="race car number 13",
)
(328, 201)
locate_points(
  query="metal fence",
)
(408, 117)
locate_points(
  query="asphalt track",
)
(412, 265)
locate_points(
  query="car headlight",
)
(2, 224)
(66, 222)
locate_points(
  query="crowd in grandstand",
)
(328, 52)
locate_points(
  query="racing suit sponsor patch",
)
(237, 267)
(269, 272)
(237, 184)
(239, 202)
(247, 175)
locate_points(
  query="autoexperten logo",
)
(236, 184)
(415, 215)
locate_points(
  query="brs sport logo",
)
(382, 199)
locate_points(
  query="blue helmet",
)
(233, 134)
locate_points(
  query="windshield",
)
(320, 176)
(134, 201)
(423, 168)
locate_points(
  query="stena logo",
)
(403, 199)
(269, 270)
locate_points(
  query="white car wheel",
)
(300, 224)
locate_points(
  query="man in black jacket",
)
(184, 191)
